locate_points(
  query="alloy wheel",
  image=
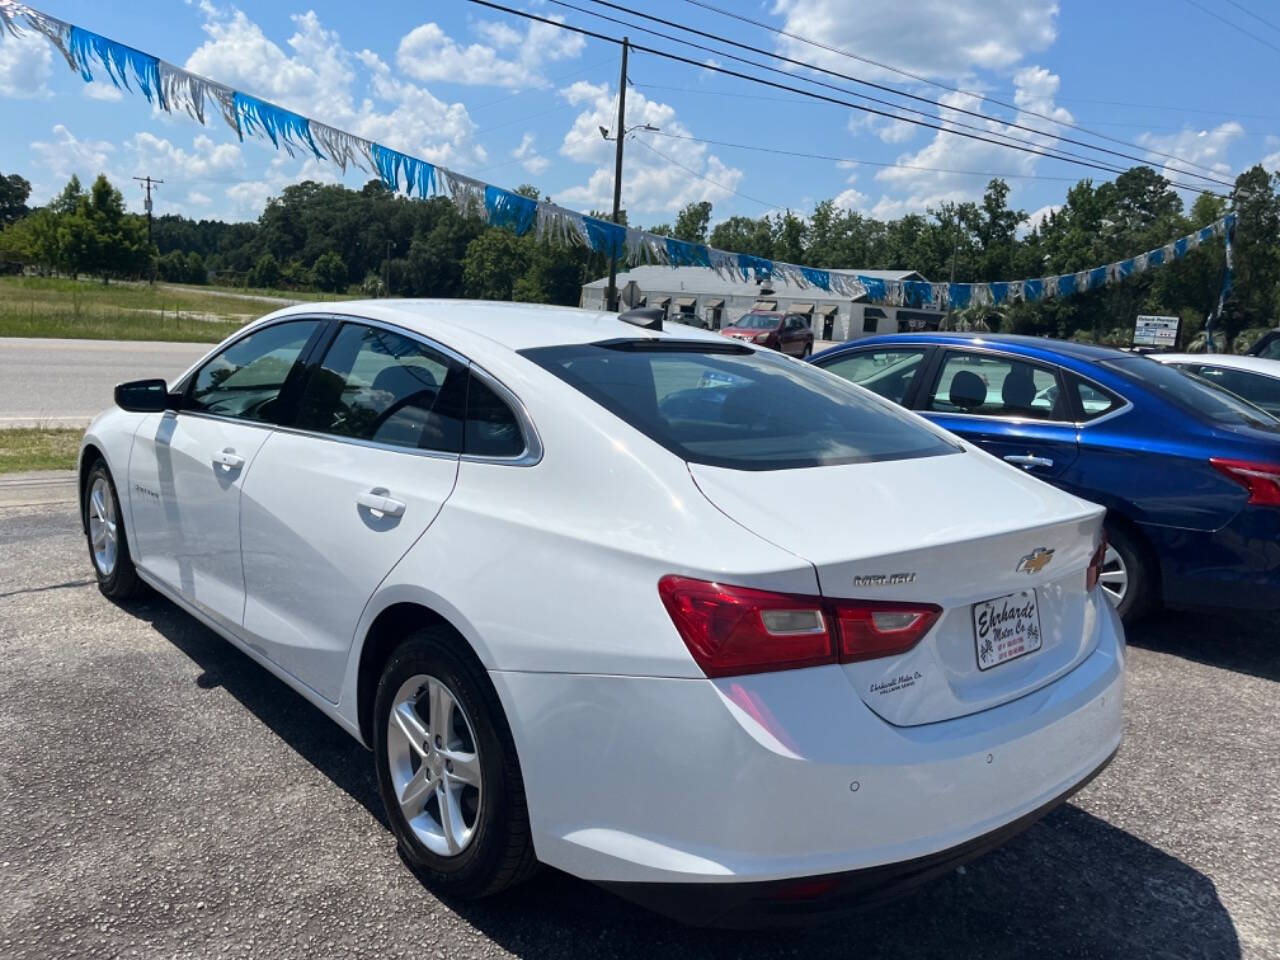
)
(104, 533)
(1115, 575)
(435, 765)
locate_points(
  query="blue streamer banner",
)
(177, 89)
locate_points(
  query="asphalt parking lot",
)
(162, 796)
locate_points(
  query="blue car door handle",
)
(1027, 460)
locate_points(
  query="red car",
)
(787, 332)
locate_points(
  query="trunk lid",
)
(957, 531)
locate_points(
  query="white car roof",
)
(467, 324)
(1262, 365)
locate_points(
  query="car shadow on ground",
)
(1072, 885)
(1242, 642)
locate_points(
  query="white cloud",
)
(205, 161)
(1205, 148)
(914, 190)
(1036, 218)
(26, 63)
(321, 78)
(197, 199)
(652, 183)
(935, 38)
(66, 154)
(427, 53)
(529, 157)
(102, 90)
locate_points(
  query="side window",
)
(1094, 401)
(889, 373)
(492, 427)
(1254, 387)
(1270, 347)
(245, 380)
(997, 386)
(377, 385)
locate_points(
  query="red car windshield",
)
(756, 321)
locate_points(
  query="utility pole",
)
(621, 133)
(955, 249)
(150, 183)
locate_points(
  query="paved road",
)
(162, 796)
(49, 382)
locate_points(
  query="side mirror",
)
(145, 396)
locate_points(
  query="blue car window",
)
(1093, 401)
(887, 372)
(994, 385)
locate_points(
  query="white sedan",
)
(1256, 379)
(700, 623)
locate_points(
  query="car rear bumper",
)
(1237, 566)
(789, 775)
(796, 901)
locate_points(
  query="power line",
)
(714, 183)
(798, 100)
(854, 160)
(1019, 146)
(885, 88)
(942, 86)
(1245, 10)
(1233, 25)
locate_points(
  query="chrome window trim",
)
(1125, 407)
(532, 453)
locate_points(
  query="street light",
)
(630, 130)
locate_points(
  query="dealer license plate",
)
(1006, 628)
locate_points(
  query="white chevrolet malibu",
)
(692, 620)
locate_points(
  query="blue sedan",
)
(1189, 474)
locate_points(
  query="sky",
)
(510, 102)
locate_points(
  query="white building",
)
(701, 297)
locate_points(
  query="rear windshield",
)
(738, 408)
(1194, 395)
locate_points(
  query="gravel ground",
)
(162, 796)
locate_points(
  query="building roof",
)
(700, 281)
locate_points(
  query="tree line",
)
(332, 238)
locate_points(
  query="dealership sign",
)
(1156, 332)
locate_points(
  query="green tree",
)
(330, 272)
(265, 273)
(1257, 250)
(692, 222)
(495, 260)
(14, 191)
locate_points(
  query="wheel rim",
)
(1115, 575)
(104, 533)
(435, 765)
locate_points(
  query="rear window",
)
(728, 406)
(1194, 395)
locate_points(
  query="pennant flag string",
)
(173, 88)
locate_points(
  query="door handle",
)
(228, 458)
(1028, 460)
(379, 502)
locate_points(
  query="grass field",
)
(54, 307)
(38, 449)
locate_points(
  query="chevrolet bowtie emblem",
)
(1035, 561)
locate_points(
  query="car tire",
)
(1129, 564)
(490, 818)
(105, 534)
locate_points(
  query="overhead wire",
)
(1057, 151)
(1262, 20)
(1233, 25)
(672, 160)
(906, 94)
(678, 58)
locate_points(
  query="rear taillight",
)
(737, 630)
(1262, 480)
(1094, 573)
